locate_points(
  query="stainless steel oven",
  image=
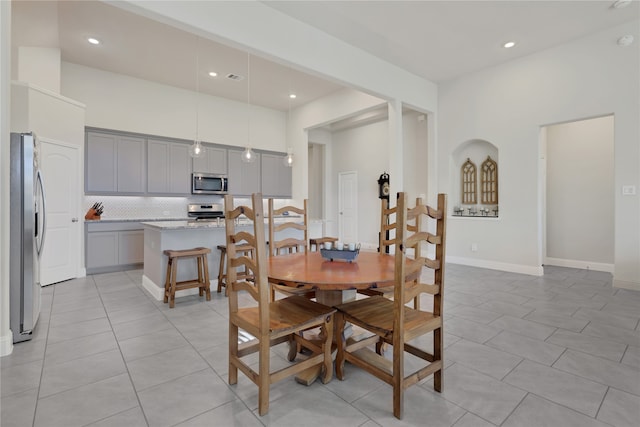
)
(208, 183)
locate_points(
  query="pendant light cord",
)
(197, 89)
(248, 99)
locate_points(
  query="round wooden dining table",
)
(335, 282)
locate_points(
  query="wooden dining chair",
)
(288, 235)
(270, 322)
(387, 239)
(392, 321)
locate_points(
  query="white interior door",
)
(61, 252)
(348, 206)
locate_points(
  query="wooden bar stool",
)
(316, 243)
(222, 277)
(202, 282)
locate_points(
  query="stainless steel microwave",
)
(208, 183)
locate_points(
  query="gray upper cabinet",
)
(115, 164)
(214, 160)
(244, 178)
(276, 177)
(157, 160)
(134, 164)
(101, 163)
(168, 168)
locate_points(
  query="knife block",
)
(92, 215)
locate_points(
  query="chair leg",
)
(264, 379)
(199, 267)
(233, 351)
(398, 376)
(342, 344)
(167, 281)
(172, 292)
(437, 355)
(326, 346)
(207, 283)
(221, 276)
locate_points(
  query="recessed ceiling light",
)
(509, 44)
(213, 74)
(93, 40)
(621, 4)
(292, 96)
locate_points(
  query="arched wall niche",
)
(485, 182)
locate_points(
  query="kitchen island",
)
(162, 235)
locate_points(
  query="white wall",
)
(39, 66)
(507, 105)
(360, 149)
(116, 101)
(415, 156)
(580, 194)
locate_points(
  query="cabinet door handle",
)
(74, 219)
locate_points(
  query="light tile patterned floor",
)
(558, 350)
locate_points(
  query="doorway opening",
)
(578, 194)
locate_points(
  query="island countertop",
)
(180, 225)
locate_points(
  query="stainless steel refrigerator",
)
(26, 238)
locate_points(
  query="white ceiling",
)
(437, 40)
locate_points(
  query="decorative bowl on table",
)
(340, 254)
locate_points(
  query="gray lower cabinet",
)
(115, 164)
(168, 168)
(244, 178)
(276, 176)
(113, 246)
(213, 161)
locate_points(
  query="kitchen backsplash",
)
(131, 207)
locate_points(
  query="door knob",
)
(74, 219)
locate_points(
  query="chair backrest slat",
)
(290, 244)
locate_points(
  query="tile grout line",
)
(123, 359)
(44, 354)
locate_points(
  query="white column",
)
(6, 338)
(396, 181)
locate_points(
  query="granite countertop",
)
(181, 225)
(163, 219)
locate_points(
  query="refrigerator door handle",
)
(40, 245)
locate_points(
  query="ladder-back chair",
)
(269, 322)
(392, 321)
(283, 241)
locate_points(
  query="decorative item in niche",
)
(489, 182)
(468, 183)
(488, 204)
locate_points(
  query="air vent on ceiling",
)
(235, 77)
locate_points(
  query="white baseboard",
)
(158, 292)
(6, 344)
(583, 265)
(495, 265)
(625, 284)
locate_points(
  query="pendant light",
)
(196, 149)
(288, 159)
(248, 155)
